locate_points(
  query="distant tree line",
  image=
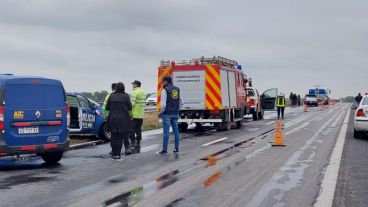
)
(348, 99)
(99, 96)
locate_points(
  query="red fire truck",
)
(213, 91)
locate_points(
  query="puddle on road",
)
(291, 174)
(140, 193)
(17, 180)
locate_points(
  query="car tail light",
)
(1, 117)
(250, 102)
(360, 113)
(68, 114)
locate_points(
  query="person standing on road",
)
(291, 99)
(138, 103)
(170, 104)
(280, 104)
(295, 99)
(113, 88)
(299, 101)
(358, 98)
(119, 120)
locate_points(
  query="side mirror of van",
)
(94, 106)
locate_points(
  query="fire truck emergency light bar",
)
(215, 60)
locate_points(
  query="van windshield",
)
(34, 96)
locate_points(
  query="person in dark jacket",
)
(291, 98)
(358, 98)
(118, 120)
(295, 99)
(299, 101)
(171, 102)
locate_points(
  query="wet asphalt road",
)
(252, 173)
(352, 185)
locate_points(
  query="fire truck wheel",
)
(183, 127)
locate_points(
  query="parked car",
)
(34, 117)
(254, 104)
(311, 100)
(86, 117)
(152, 99)
(361, 118)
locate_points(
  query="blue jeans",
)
(168, 120)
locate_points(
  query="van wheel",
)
(104, 133)
(255, 116)
(183, 127)
(52, 157)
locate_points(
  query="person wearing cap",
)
(171, 102)
(280, 104)
(138, 99)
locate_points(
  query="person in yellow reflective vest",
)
(138, 100)
(280, 104)
(113, 88)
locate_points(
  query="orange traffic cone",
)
(279, 137)
(305, 107)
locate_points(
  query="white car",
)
(254, 104)
(152, 99)
(361, 118)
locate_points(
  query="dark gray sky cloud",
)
(88, 44)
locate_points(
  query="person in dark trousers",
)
(280, 104)
(295, 99)
(119, 120)
(299, 101)
(358, 98)
(138, 99)
(291, 97)
(170, 104)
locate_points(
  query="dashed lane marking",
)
(213, 142)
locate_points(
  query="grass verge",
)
(151, 121)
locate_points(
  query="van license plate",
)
(29, 130)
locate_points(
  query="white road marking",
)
(149, 148)
(270, 122)
(216, 141)
(328, 187)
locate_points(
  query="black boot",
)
(138, 146)
(127, 151)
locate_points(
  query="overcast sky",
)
(290, 44)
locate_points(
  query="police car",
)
(33, 117)
(361, 118)
(86, 117)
